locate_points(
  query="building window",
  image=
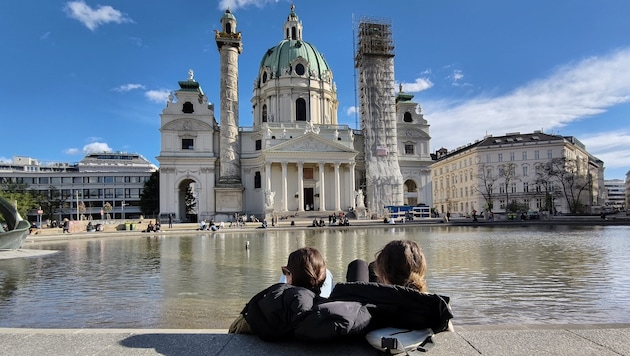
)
(511, 156)
(187, 108)
(502, 204)
(409, 148)
(257, 180)
(513, 187)
(300, 109)
(188, 144)
(536, 154)
(549, 154)
(502, 188)
(488, 159)
(258, 145)
(299, 69)
(500, 157)
(264, 78)
(525, 187)
(264, 113)
(407, 117)
(524, 155)
(524, 171)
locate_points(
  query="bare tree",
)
(508, 173)
(546, 181)
(50, 201)
(488, 181)
(573, 180)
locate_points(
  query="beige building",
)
(495, 172)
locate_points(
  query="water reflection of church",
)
(295, 157)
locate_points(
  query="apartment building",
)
(498, 171)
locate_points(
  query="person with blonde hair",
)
(401, 262)
(394, 285)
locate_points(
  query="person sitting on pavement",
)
(394, 284)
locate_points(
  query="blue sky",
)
(78, 76)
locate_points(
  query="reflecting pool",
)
(494, 275)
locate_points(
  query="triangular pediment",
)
(188, 124)
(310, 143)
(413, 133)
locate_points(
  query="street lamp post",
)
(77, 205)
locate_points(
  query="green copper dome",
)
(279, 58)
(293, 57)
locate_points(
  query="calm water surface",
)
(494, 275)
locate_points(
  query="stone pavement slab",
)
(475, 340)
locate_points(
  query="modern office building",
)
(83, 190)
(616, 193)
(497, 171)
(296, 157)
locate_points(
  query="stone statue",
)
(359, 199)
(191, 75)
(269, 197)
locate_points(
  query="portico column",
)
(268, 175)
(337, 188)
(322, 189)
(284, 187)
(300, 166)
(352, 184)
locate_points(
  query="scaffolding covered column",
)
(375, 63)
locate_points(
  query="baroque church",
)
(296, 157)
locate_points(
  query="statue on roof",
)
(191, 75)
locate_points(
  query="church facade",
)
(295, 157)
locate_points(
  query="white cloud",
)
(45, 36)
(352, 110)
(574, 92)
(96, 147)
(419, 85)
(235, 4)
(5, 160)
(611, 147)
(72, 151)
(157, 96)
(92, 18)
(136, 40)
(457, 75)
(128, 87)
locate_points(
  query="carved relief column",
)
(322, 188)
(300, 167)
(337, 188)
(230, 46)
(285, 198)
